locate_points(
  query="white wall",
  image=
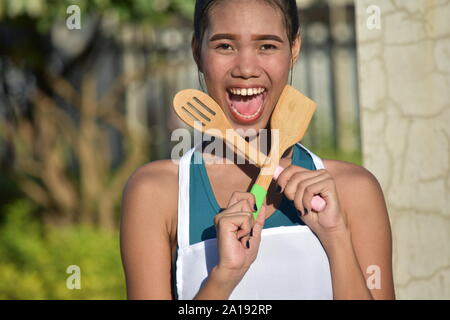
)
(404, 79)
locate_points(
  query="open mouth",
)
(246, 104)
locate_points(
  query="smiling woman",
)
(245, 55)
(207, 245)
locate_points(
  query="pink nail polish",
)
(318, 204)
(277, 173)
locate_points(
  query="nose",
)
(246, 65)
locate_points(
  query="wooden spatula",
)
(200, 111)
(289, 122)
(195, 106)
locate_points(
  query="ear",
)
(295, 50)
(195, 46)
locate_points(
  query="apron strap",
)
(317, 161)
(183, 199)
(184, 170)
(183, 192)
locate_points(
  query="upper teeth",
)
(247, 92)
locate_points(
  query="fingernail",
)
(248, 244)
(277, 172)
(255, 207)
(318, 204)
(251, 232)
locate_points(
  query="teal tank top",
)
(203, 205)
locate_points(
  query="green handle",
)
(260, 195)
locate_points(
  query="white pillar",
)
(404, 78)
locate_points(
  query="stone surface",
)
(404, 81)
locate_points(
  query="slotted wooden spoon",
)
(198, 110)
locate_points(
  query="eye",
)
(266, 47)
(224, 46)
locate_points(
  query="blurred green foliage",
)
(138, 11)
(353, 157)
(34, 258)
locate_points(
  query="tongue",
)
(246, 105)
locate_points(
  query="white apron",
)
(291, 262)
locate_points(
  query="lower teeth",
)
(247, 116)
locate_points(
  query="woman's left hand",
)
(301, 185)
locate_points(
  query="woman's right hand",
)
(238, 237)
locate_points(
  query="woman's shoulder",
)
(151, 193)
(356, 186)
(352, 179)
(160, 175)
(346, 170)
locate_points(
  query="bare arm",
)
(347, 276)
(145, 239)
(353, 227)
(368, 246)
(148, 234)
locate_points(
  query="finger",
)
(293, 170)
(296, 179)
(322, 187)
(244, 232)
(232, 228)
(299, 198)
(237, 224)
(259, 222)
(239, 196)
(245, 242)
(255, 239)
(318, 204)
(277, 172)
(240, 206)
(284, 176)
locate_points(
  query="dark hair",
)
(202, 8)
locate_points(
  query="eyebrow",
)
(258, 37)
(268, 37)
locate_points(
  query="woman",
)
(194, 249)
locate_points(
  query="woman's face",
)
(245, 58)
